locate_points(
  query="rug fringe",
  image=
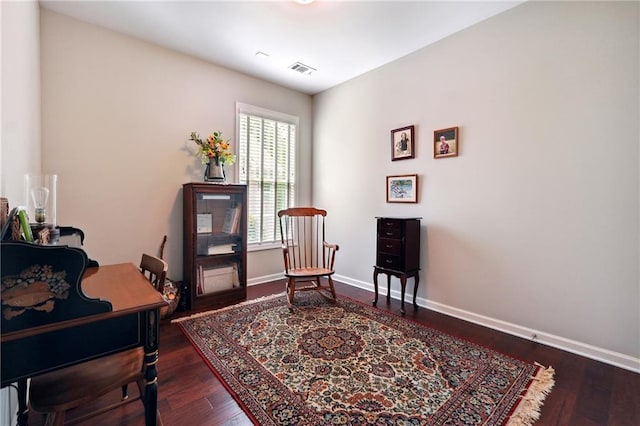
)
(246, 302)
(528, 410)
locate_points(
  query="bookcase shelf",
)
(215, 244)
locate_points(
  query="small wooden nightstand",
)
(397, 254)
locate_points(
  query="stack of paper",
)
(217, 279)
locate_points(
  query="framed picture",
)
(445, 143)
(402, 189)
(402, 146)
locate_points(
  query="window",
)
(266, 164)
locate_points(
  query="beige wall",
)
(117, 113)
(534, 226)
(20, 124)
(20, 109)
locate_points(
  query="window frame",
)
(264, 113)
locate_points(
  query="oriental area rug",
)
(347, 363)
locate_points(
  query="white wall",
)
(535, 223)
(20, 147)
(117, 113)
(20, 125)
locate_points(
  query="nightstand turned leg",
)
(415, 289)
(388, 288)
(375, 286)
(403, 286)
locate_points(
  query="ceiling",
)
(340, 39)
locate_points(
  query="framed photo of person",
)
(445, 143)
(402, 189)
(402, 143)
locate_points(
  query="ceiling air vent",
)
(302, 68)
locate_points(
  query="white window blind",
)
(266, 164)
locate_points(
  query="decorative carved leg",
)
(23, 409)
(151, 389)
(388, 288)
(403, 285)
(415, 289)
(375, 286)
(150, 396)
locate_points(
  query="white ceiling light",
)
(303, 1)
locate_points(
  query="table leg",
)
(415, 289)
(403, 286)
(375, 286)
(151, 389)
(151, 371)
(23, 409)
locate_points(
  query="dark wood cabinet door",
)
(215, 243)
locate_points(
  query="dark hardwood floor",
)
(586, 392)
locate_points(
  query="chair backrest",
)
(302, 234)
(155, 269)
(71, 236)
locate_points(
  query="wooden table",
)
(133, 321)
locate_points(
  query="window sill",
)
(263, 246)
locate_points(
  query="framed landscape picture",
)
(402, 189)
(402, 145)
(445, 143)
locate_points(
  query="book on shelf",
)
(231, 220)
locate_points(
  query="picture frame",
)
(446, 143)
(402, 143)
(402, 189)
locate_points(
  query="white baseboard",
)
(583, 349)
(265, 279)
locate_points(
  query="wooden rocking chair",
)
(307, 256)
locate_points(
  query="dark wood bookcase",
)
(215, 244)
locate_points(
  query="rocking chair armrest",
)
(332, 249)
(331, 246)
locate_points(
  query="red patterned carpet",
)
(351, 364)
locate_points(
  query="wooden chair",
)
(71, 236)
(56, 392)
(307, 256)
(155, 269)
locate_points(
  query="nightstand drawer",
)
(389, 246)
(390, 229)
(388, 261)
